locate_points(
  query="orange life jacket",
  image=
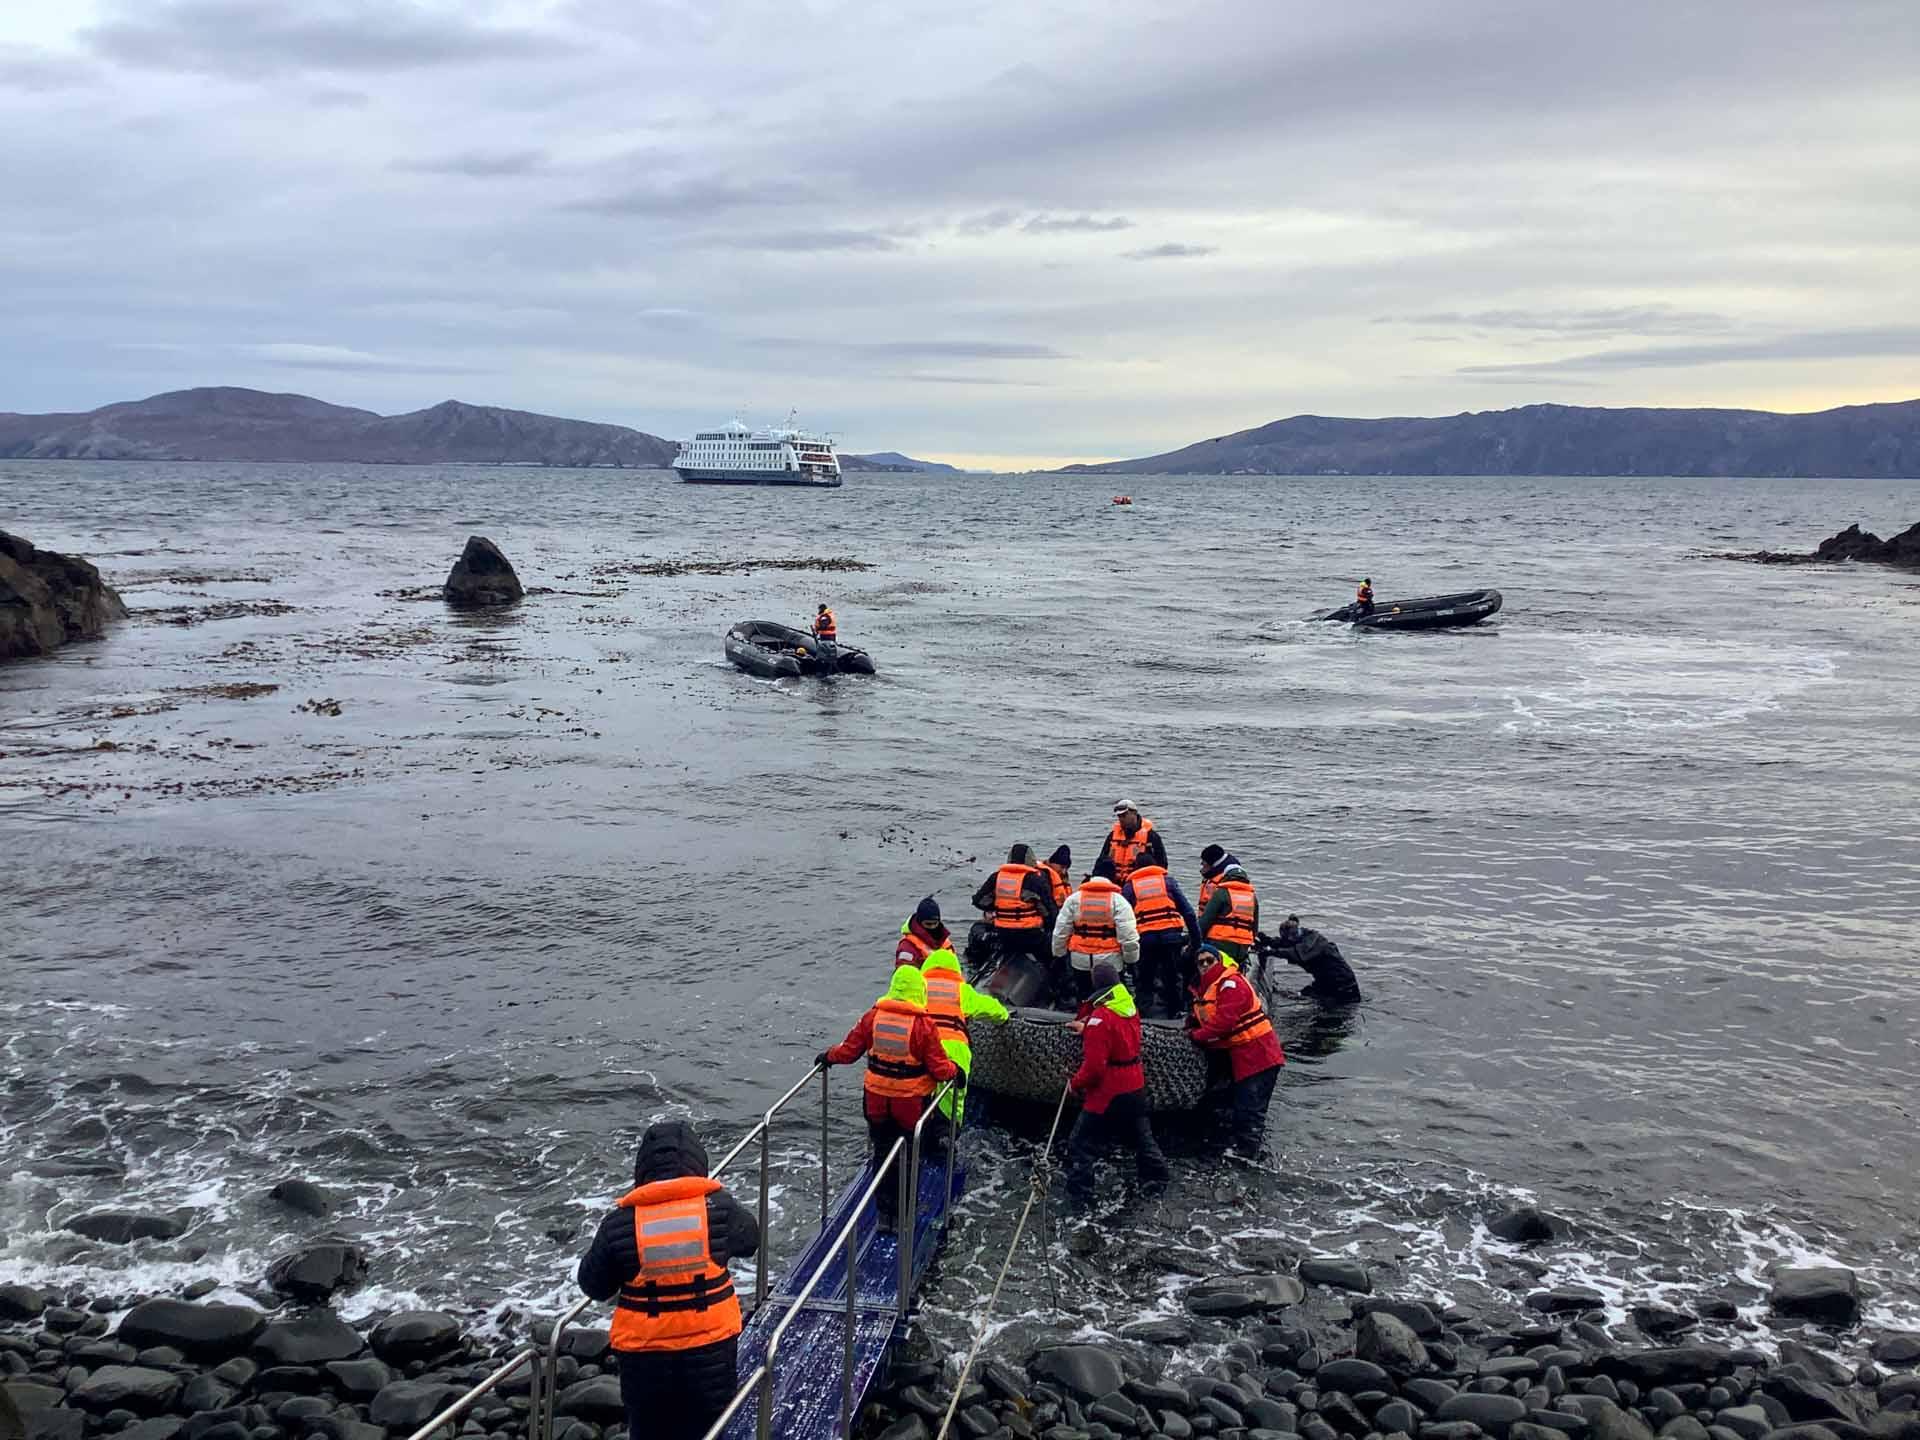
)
(1094, 931)
(825, 627)
(943, 1002)
(1013, 908)
(1058, 880)
(678, 1298)
(1153, 906)
(1364, 594)
(1236, 926)
(1249, 1027)
(1125, 851)
(917, 946)
(892, 1069)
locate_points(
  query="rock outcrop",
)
(48, 599)
(482, 576)
(1852, 543)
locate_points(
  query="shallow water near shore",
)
(1630, 874)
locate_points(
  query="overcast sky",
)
(997, 231)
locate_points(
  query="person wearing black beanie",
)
(1017, 901)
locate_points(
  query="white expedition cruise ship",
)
(734, 455)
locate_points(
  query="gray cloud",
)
(1620, 320)
(1812, 345)
(960, 350)
(243, 38)
(24, 67)
(693, 198)
(296, 356)
(480, 164)
(804, 241)
(1065, 224)
(920, 378)
(1172, 250)
(988, 223)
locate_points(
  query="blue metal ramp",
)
(819, 1379)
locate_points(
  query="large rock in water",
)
(315, 1272)
(47, 599)
(414, 1335)
(123, 1227)
(482, 576)
(314, 1338)
(1085, 1371)
(1823, 1293)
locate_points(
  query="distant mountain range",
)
(226, 423)
(893, 460)
(1855, 440)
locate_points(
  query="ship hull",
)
(700, 475)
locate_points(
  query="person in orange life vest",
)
(922, 933)
(1111, 1087)
(825, 627)
(1095, 924)
(1363, 597)
(906, 1064)
(1168, 930)
(662, 1256)
(1130, 840)
(1018, 902)
(1227, 1015)
(1056, 865)
(1229, 909)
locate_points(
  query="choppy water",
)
(1631, 874)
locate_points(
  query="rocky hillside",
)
(224, 423)
(894, 462)
(1856, 440)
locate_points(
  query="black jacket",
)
(1038, 888)
(1333, 978)
(669, 1151)
(1156, 847)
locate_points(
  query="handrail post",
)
(760, 1256)
(763, 1422)
(534, 1400)
(909, 1226)
(823, 1147)
(846, 1361)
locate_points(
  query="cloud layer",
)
(1083, 229)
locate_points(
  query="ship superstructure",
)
(736, 455)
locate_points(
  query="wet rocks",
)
(1389, 1343)
(1231, 1295)
(1336, 1274)
(416, 1335)
(1351, 1377)
(198, 1332)
(127, 1387)
(406, 1405)
(1677, 1365)
(595, 1399)
(315, 1272)
(123, 1227)
(310, 1339)
(482, 576)
(21, 1302)
(1492, 1413)
(1893, 1350)
(48, 599)
(303, 1196)
(1528, 1225)
(1085, 1371)
(1825, 1294)
(1852, 543)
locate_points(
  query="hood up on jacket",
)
(1232, 869)
(670, 1150)
(941, 959)
(909, 985)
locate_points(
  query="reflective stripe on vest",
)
(1094, 931)
(1013, 908)
(918, 948)
(678, 1298)
(892, 1070)
(1125, 852)
(1058, 880)
(825, 626)
(1249, 1027)
(1153, 907)
(943, 1002)
(1236, 926)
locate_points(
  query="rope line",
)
(1041, 1171)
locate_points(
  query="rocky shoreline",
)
(1309, 1353)
(1852, 543)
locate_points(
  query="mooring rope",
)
(1041, 1178)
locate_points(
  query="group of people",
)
(661, 1255)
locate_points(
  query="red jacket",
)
(1109, 1057)
(1235, 998)
(918, 941)
(927, 1049)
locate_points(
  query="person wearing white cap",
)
(1129, 840)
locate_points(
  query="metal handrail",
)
(459, 1407)
(544, 1418)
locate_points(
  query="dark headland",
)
(225, 422)
(1867, 441)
